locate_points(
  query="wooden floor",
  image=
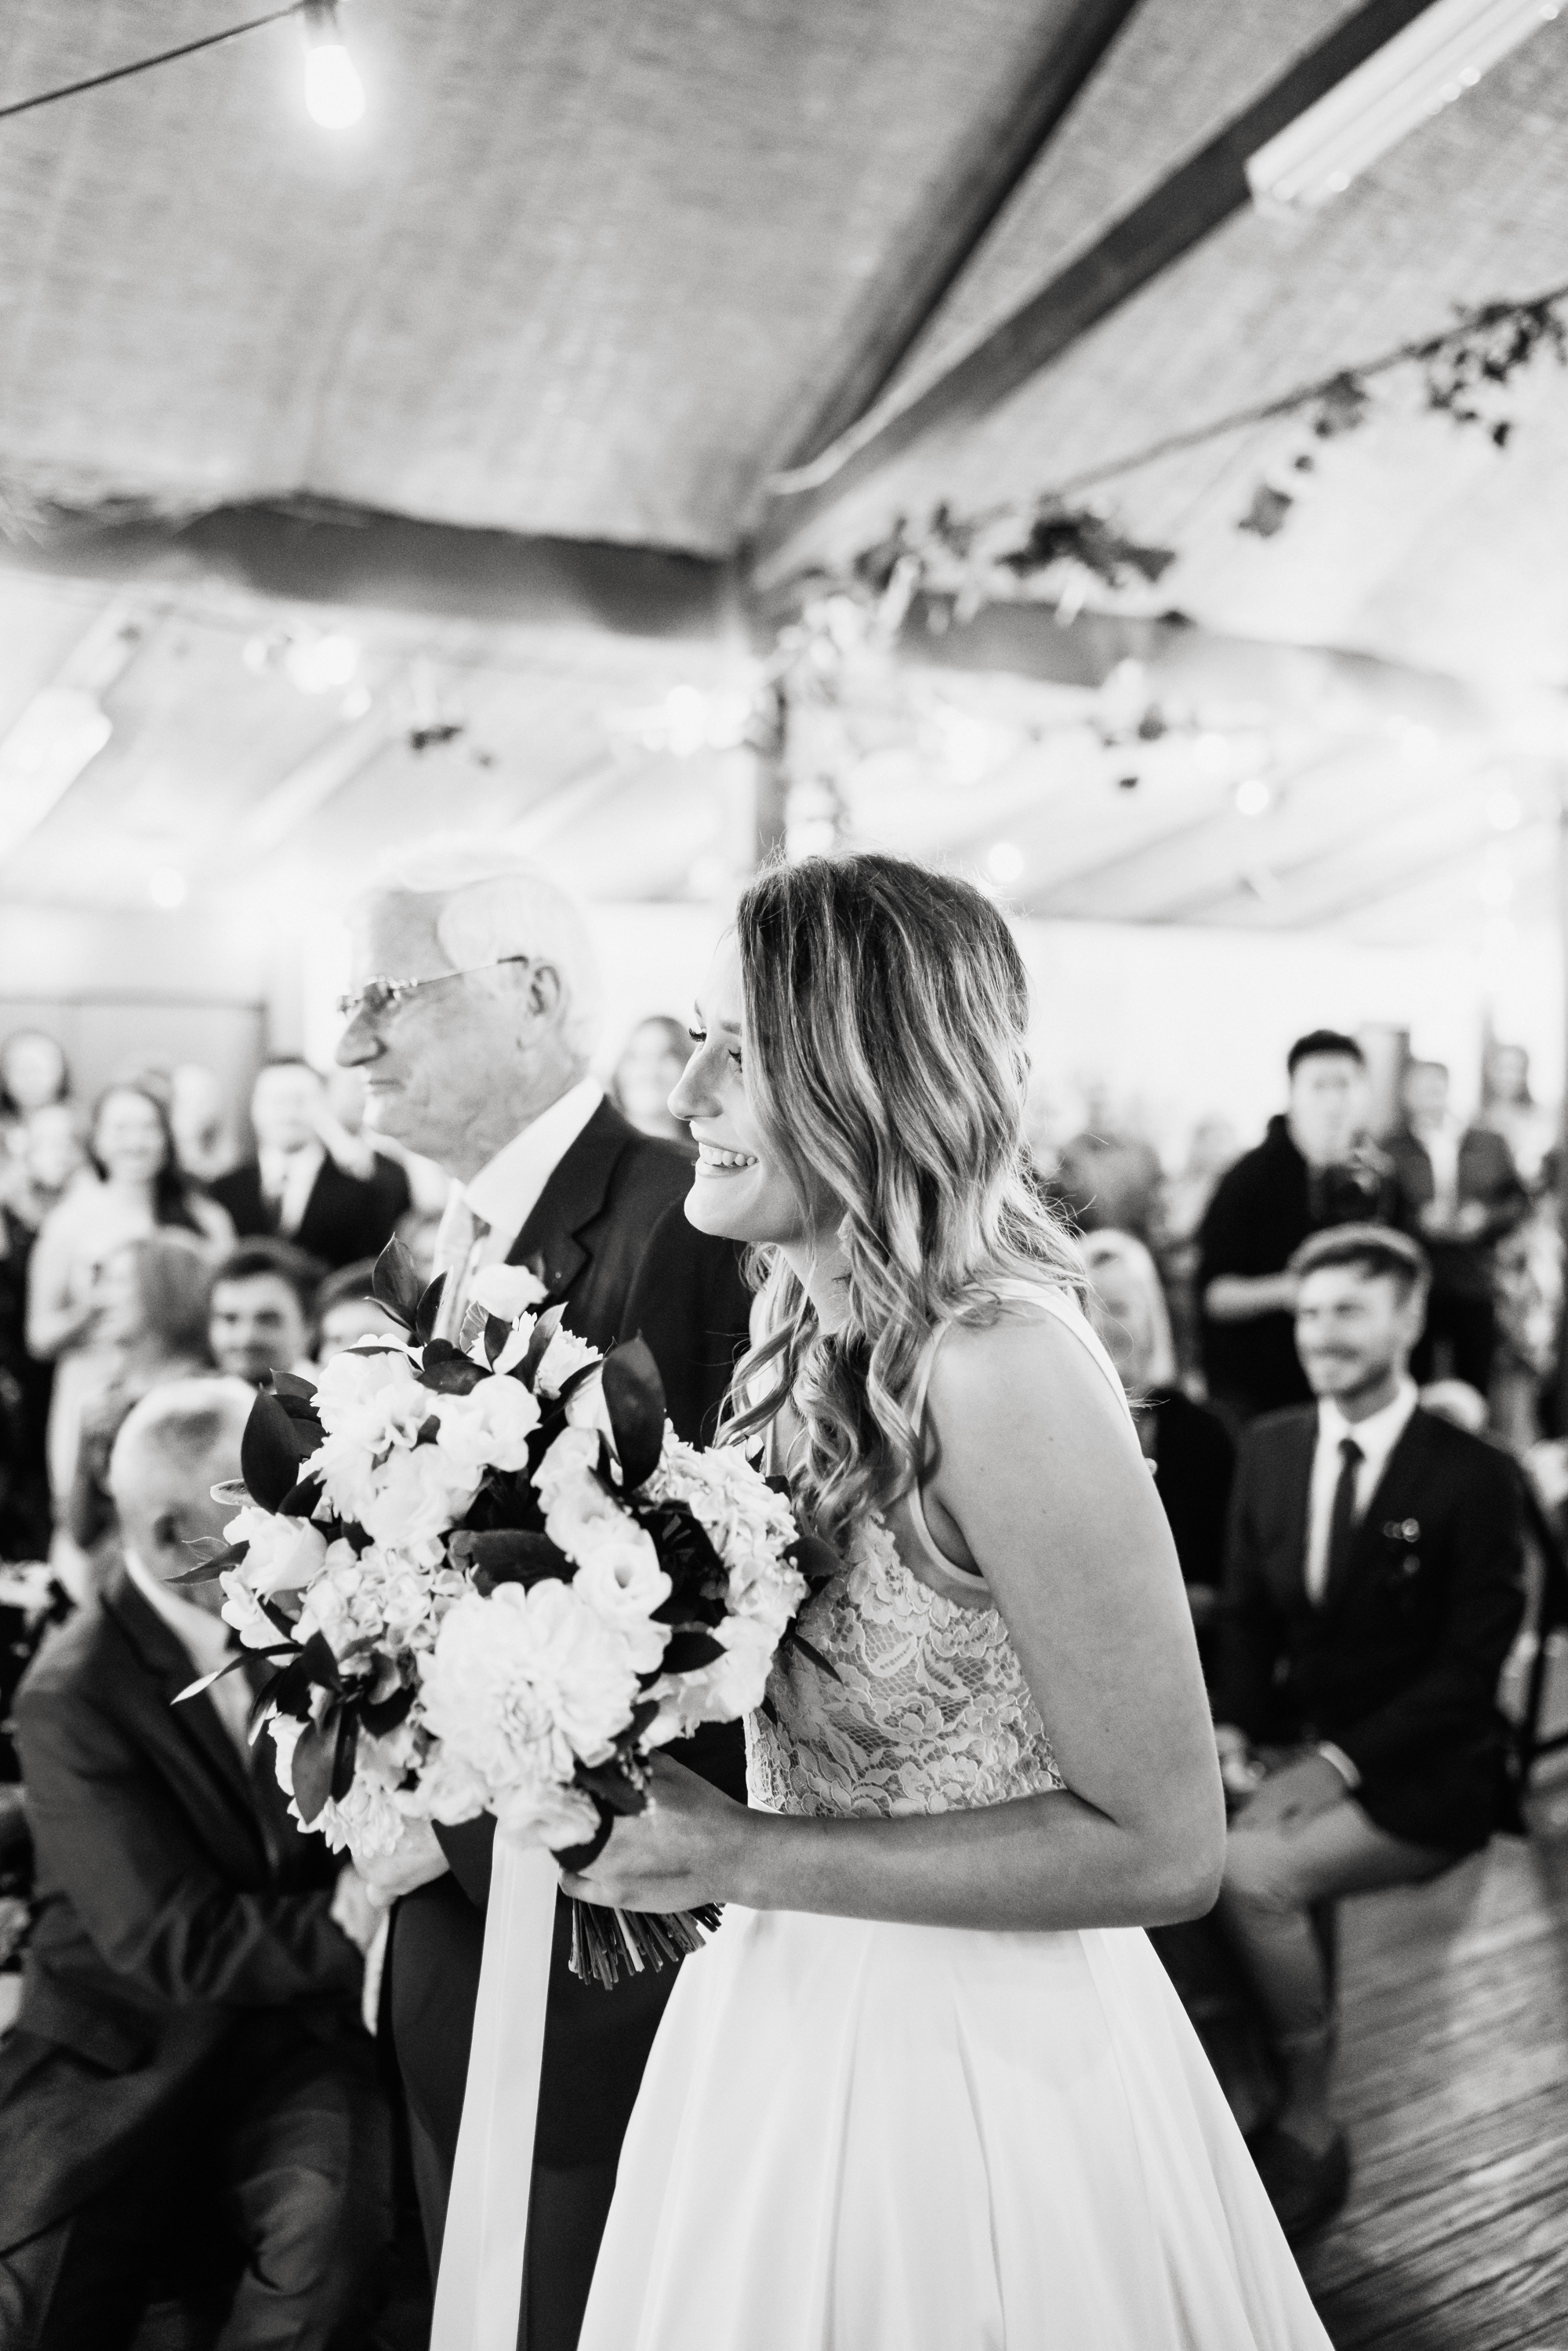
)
(1453, 2081)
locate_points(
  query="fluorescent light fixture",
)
(59, 731)
(1429, 65)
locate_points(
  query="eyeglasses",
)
(379, 996)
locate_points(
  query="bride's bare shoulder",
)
(1025, 1365)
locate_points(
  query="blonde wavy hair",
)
(885, 1011)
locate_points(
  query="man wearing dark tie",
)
(472, 1022)
(188, 2075)
(1373, 1588)
(312, 1182)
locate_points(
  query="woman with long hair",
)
(139, 1188)
(929, 2089)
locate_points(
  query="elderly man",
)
(188, 2072)
(472, 1022)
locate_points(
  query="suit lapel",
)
(549, 1243)
(1401, 1480)
(195, 1725)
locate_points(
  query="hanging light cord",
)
(145, 65)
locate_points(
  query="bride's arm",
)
(1041, 1482)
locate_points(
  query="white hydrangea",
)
(414, 1499)
(370, 1404)
(566, 1355)
(244, 1614)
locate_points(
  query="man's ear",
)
(546, 995)
(169, 1529)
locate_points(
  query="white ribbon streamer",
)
(479, 2293)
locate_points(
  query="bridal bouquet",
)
(493, 1579)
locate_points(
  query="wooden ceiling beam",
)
(356, 556)
(1186, 206)
(916, 279)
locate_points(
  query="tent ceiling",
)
(590, 271)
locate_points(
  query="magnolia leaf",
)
(194, 1689)
(344, 1751)
(396, 1283)
(544, 1329)
(383, 1714)
(446, 1371)
(575, 1858)
(319, 1664)
(291, 1383)
(269, 1455)
(497, 1331)
(688, 1650)
(612, 1784)
(816, 1560)
(300, 1501)
(428, 1311)
(508, 1555)
(212, 1557)
(315, 1753)
(634, 1399)
(232, 1492)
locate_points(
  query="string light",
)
(334, 94)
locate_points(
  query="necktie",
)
(463, 1238)
(1342, 1518)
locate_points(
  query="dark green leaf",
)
(396, 1283)
(578, 1857)
(612, 1784)
(816, 1560)
(213, 1558)
(381, 1715)
(317, 1660)
(446, 1371)
(634, 1399)
(287, 1385)
(497, 1331)
(508, 1555)
(544, 1329)
(429, 1309)
(205, 1681)
(300, 1501)
(315, 1751)
(686, 1651)
(344, 1752)
(269, 1455)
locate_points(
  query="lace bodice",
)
(931, 1712)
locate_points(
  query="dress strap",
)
(1062, 1307)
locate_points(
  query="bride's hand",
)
(683, 1848)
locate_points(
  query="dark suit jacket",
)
(175, 1895)
(609, 1239)
(1398, 1665)
(347, 1218)
(1461, 1268)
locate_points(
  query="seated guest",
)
(1462, 1196)
(1106, 1179)
(187, 2056)
(1375, 1587)
(1189, 1445)
(155, 1305)
(1313, 1169)
(312, 1181)
(652, 1061)
(347, 1309)
(263, 1296)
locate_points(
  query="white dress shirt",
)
(1441, 1144)
(505, 1193)
(205, 1641)
(1377, 1435)
(290, 1178)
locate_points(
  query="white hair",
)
(168, 1441)
(496, 904)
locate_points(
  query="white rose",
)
(570, 1459)
(370, 1395)
(507, 1291)
(244, 1614)
(553, 1816)
(581, 1516)
(490, 1426)
(621, 1578)
(418, 1497)
(566, 1354)
(730, 1687)
(284, 1555)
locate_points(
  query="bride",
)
(928, 2089)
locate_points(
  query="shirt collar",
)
(204, 1638)
(1377, 1435)
(507, 1186)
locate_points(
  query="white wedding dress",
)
(856, 2137)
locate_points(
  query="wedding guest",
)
(139, 1187)
(49, 1159)
(1107, 1179)
(1190, 1447)
(1509, 1109)
(155, 1296)
(1373, 1590)
(1314, 1168)
(263, 1296)
(347, 1309)
(52, 1158)
(187, 2072)
(474, 1022)
(197, 1115)
(34, 1075)
(312, 1182)
(1462, 1196)
(652, 1064)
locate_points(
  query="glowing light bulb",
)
(1004, 861)
(334, 94)
(168, 888)
(1253, 797)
